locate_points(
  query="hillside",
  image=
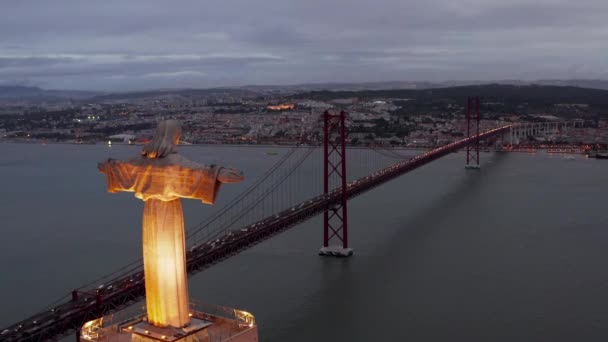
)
(35, 93)
(19, 91)
(517, 99)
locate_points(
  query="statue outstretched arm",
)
(204, 183)
(119, 176)
(229, 175)
(103, 167)
(221, 174)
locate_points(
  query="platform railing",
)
(110, 324)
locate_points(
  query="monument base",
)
(336, 251)
(209, 323)
(472, 167)
(149, 332)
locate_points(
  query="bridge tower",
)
(335, 216)
(473, 118)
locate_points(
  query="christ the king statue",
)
(160, 177)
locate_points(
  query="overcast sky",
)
(142, 44)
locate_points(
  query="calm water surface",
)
(514, 252)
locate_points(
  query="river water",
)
(514, 252)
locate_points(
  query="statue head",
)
(164, 141)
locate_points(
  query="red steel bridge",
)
(277, 201)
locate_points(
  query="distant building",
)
(548, 117)
(122, 138)
(348, 101)
(282, 106)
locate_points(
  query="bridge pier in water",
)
(335, 218)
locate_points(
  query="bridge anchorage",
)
(335, 217)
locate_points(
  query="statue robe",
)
(160, 183)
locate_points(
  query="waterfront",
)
(514, 252)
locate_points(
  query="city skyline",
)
(148, 45)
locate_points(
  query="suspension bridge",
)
(287, 194)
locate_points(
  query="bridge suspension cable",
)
(268, 192)
(391, 153)
(214, 217)
(244, 197)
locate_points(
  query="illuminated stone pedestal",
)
(209, 324)
(336, 251)
(144, 331)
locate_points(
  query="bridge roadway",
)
(127, 290)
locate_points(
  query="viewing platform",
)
(209, 323)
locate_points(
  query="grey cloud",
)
(11, 62)
(112, 43)
(25, 67)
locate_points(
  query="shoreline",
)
(530, 149)
(39, 142)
